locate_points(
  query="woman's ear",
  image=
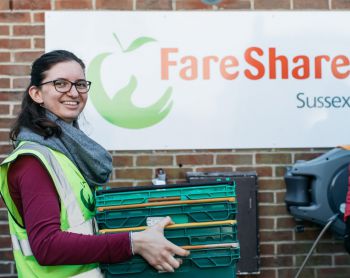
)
(36, 94)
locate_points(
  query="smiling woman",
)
(58, 95)
(48, 183)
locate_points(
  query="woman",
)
(47, 183)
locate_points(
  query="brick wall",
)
(282, 249)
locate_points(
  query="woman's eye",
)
(82, 85)
(61, 83)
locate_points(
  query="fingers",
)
(170, 265)
(164, 222)
(178, 250)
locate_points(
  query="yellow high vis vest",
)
(77, 212)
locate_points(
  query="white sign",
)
(193, 80)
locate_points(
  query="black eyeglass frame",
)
(71, 85)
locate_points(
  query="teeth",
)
(71, 102)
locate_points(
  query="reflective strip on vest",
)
(75, 217)
(21, 245)
(93, 273)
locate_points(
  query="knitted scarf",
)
(93, 161)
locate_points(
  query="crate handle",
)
(154, 204)
(164, 199)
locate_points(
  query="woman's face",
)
(66, 106)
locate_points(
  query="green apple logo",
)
(119, 110)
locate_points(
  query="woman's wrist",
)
(134, 242)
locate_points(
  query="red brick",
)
(154, 5)
(261, 171)
(276, 261)
(264, 273)
(280, 171)
(27, 56)
(325, 247)
(214, 169)
(39, 17)
(289, 272)
(236, 159)
(31, 4)
(312, 234)
(177, 173)
(7, 255)
(272, 210)
(114, 5)
(306, 156)
(5, 123)
(4, 230)
(39, 43)
(115, 184)
(6, 149)
(341, 4)
(154, 160)
(144, 183)
(273, 158)
(235, 4)
(4, 30)
(292, 249)
(4, 83)
(275, 236)
(5, 57)
(315, 259)
(6, 96)
(21, 83)
(132, 173)
(311, 4)
(280, 196)
(269, 184)
(4, 109)
(4, 4)
(14, 17)
(286, 222)
(76, 4)
(14, 43)
(271, 4)
(265, 197)
(342, 259)
(192, 5)
(5, 267)
(28, 30)
(122, 160)
(266, 223)
(267, 249)
(4, 136)
(5, 242)
(15, 70)
(335, 272)
(16, 110)
(194, 159)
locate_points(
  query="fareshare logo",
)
(120, 110)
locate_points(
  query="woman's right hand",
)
(156, 249)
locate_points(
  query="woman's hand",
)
(156, 249)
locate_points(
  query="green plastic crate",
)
(193, 192)
(198, 234)
(183, 213)
(204, 263)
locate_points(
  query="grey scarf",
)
(93, 161)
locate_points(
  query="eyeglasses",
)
(64, 85)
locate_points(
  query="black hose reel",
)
(316, 189)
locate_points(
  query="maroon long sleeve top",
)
(36, 199)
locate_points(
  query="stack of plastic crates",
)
(205, 224)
